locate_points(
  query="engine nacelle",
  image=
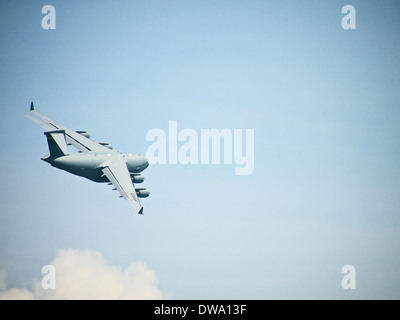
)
(142, 192)
(137, 178)
(107, 145)
(83, 133)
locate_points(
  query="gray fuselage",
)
(89, 165)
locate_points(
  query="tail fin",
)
(57, 143)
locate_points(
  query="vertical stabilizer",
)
(57, 143)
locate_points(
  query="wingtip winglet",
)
(141, 210)
(32, 106)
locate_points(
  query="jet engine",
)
(142, 192)
(83, 133)
(107, 145)
(137, 178)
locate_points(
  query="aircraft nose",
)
(145, 163)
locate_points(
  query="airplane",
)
(95, 161)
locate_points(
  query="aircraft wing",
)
(116, 171)
(77, 140)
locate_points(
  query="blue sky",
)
(324, 104)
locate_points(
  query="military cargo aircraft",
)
(95, 161)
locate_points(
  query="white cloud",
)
(12, 294)
(85, 274)
(16, 294)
